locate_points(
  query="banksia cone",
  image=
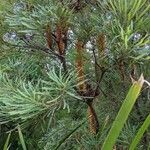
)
(79, 65)
(65, 34)
(59, 39)
(85, 89)
(93, 120)
(101, 44)
(49, 36)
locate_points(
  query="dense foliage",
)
(69, 74)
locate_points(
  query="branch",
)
(95, 59)
(37, 47)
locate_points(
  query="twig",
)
(95, 59)
(37, 47)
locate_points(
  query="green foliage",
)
(21, 139)
(26, 100)
(140, 133)
(6, 145)
(40, 104)
(123, 114)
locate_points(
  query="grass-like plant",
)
(123, 114)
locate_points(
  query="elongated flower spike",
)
(59, 39)
(93, 120)
(85, 89)
(79, 65)
(49, 36)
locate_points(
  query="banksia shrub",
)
(66, 66)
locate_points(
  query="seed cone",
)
(93, 120)
(79, 66)
(101, 44)
(59, 39)
(49, 36)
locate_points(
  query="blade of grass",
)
(64, 139)
(140, 133)
(123, 114)
(6, 146)
(103, 126)
(21, 139)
